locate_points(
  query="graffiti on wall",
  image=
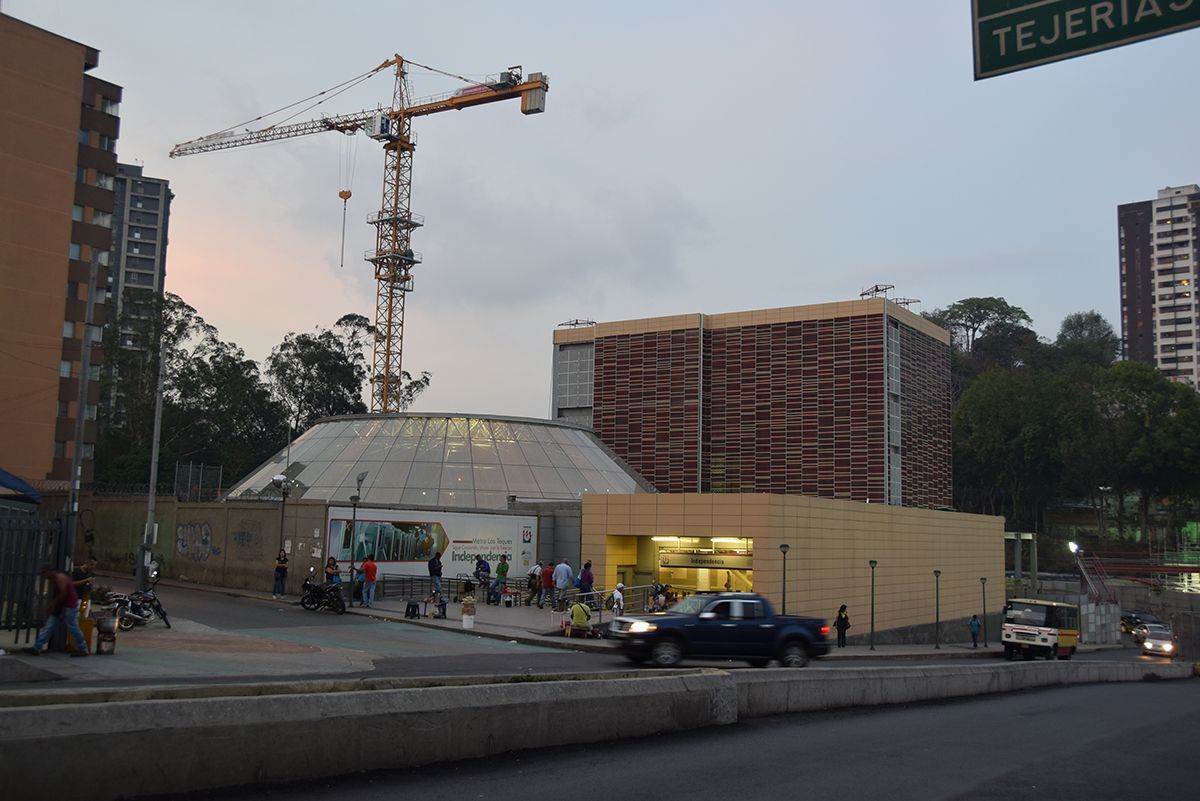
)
(193, 541)
(241, 538)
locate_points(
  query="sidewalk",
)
(175, 652)
(529, 625)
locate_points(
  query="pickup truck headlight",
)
(641, 627)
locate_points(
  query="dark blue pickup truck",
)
(724, 625)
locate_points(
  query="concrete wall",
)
(831, 543)
(156, 746)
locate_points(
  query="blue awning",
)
(15, 489)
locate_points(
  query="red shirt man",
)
(368, 573)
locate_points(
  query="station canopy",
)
(442, 460)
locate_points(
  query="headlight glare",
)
(641, 627)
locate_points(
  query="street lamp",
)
(1102, 491)
(872, 563)
(783, 549)
(354, 529)
(937, 609)
(983, 585)
(280, 483)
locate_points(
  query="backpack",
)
(609, 602)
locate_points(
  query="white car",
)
(1140, 632)
(1159, 640)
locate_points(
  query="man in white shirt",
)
(563, 579)
(618, 596)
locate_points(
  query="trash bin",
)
(106, 637)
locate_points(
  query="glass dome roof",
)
(443, 460)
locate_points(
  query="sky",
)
(694, 157)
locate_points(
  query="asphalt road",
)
(1108, 741)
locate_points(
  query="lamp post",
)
(937, 609)
(983, 585)
(783, 549)
(872, 563)
(354, 529)
(280, 483)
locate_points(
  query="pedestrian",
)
(483, 571)
(501, 581)
(435, 572)
(84, 579)
(281, 567)
(563, 579)
(581, 616)
(841, 623)
(618, 600)
(586, 580)
(728, 581)
(533, 579)
(368, 571)
(974, 624)
(547, 588)
(64, 611)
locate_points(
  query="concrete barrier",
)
(775, 692)
(180, 744)
(173, 746)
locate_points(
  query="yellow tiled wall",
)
(830, 545)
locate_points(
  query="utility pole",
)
(150, 535)
(67, 553)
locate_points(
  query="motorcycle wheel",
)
(338, 605)
(163, 615)
(309, 602)
(126, 620)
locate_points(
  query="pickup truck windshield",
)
(692, 605)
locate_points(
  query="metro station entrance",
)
(702, 564)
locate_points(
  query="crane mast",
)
(393, 257)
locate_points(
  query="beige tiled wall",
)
(831, 543)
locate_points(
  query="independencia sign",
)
(1017, 34)
(720, 561)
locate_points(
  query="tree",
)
(971, 317)
(1088, 338)
(313, 378)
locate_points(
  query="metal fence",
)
(195, 483)
(1186, 628)
(25, 543)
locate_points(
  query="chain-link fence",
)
(1186, 628)
(197, 482)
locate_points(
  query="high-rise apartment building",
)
(58, 133)
(1159, 307)
(141, 211)
(840, 400)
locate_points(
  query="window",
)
(108, 143)
(97, 333)
(102, 218)
(68, 329)
(110, 106)
(104, 181)
(94, 372)
(64, 369)
(102, 258)
(89, 413)
(72, 290)
(77, 213)
(75, 251)
(84, 137)
(81, 175)
(64, 409)
(60, 450)
(87, 450)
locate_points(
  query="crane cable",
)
(346, 161)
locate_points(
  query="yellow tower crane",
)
(393, 258)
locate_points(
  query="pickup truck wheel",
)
(667, 652)
(793, 655)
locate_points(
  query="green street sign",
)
(1016, 34)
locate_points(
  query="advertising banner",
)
(403, 541)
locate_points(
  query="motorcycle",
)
(140, 607)
(322, 596)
